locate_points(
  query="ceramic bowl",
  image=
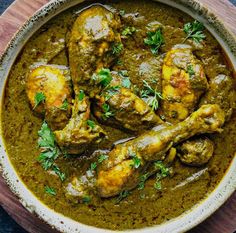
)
(182, 223)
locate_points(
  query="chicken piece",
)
(79, 188)
(49, 92)
(117, 105)
(118, 172)
(93, 38)
(222, 92)
(80, 132)
(183, 83)
(196, 152)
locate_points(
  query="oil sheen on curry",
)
(120, 114)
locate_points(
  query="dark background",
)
(7, 224)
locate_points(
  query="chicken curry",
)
(120, 114)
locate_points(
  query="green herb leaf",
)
(107, 111)
(190, 70)
(50, 191)
(194, 31)
(163, 169)
(38, 98)
(157, 185)
(103, 77)
(122, 195)
(125, 78)
(65, 105)
(61, 175)
(91, 124)
(142, 179)
(117, 48)
(154, 40)
(50, 151)
(93, 166)
(86, 199)
(136, 162)
(102, 158)
(151, 96)
(128, 31)
(81, 95)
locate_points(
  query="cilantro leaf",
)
(117, 48)
(142, 179)
(65, 105)
(194, 31)
(151, 96)
(91, 124)
(102, 158)
(81, 95)
(107, 113)
(190, 70)
(86, 199)
(38, 98)
(125, 78)
(154, 40)
(128, 31)
(93, 166)
(103, 77)
(50, 191)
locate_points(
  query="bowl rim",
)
(181, 223)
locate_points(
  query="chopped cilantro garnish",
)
(194, 30)
(190, 70)
(91, 124)
(50, 191)
(151, 96)
(81, 95)
(154, 40)
(93, 166)
(107, 111)
(117, 48)
(49, 150)
(103, 77)
(128, 31)
(38, 98)
(102, 158)
(142, 179)
(65, 105)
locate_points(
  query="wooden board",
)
(222, 221)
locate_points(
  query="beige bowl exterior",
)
(64, 224)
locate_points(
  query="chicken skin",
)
(183, 82)
(49, 92)
(118, 173)
(91, 45)
(117, 105)
(80, 132)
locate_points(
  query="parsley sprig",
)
(49, 150)
(151, 96)
(155, 40)
(194, 31)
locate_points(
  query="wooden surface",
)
(222, 221)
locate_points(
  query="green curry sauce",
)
(179, 192)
